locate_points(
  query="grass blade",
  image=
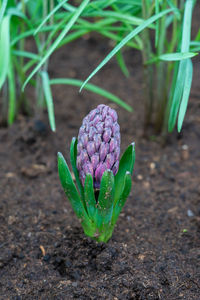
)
(186, 93)
(119, 16)
(122, 63)
(93, 88)
(185, 45)
(131, 35)
(58, 40)
(177, 56)
(2, 10)
(26, 54)
(12, 94)
(172, 57)
(49, 99)
(49, 16)
(4, 48)
(157, 8)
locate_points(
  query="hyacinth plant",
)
(103, 181)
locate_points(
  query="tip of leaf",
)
(179, 128)
(80, 90)
(133, 145)
(59, 154)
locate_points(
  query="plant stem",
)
(22, 104)
(161, 69)
(4, 102)
(148, 70)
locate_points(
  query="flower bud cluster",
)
(98, 147)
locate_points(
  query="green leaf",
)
(105, 200)
(26, 54)
(58, 40)
(49, 15)
(185, 45)
(93, 88)
(49, 99)
(12, 93)
(4, 49)
(122, 63)
(186, 93)
(172, 57)
(2, 10)
(70, 188)
(157, 9)
(120, 203)
(73, 157)
(126, 164)
(90, 197)
(177, 56)
(131, 35)
(118, 16)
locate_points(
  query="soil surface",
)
(154, 252)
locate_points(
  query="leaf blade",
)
(58, 40)
(93, 88)
(90, 197)
(185, 45)
(73, 156)
(186, 93)
(121, 201)
(124, 41)
(70, 188)
(105, 200)
(49, 99)
(126, 164)
(4, 48)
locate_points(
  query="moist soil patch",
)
(154, 252)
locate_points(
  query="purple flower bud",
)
(113, 114)
(84, 139)
(95, 160)
(104, 148)
(110, 159)
(109, 121)
(90, 148)
(115, 167)
(92, 132)
(101, 168)
(88, 168)
(97, 141)
(105, 112)
(107, 135)
(100, 127)
(98, 146)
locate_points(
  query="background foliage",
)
(160, 30)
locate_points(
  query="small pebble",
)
(152, 165)
(74, 284)
(139, 177)
(10, 175)
(185, 152)
(190, 213)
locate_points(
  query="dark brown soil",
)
(155, 249)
